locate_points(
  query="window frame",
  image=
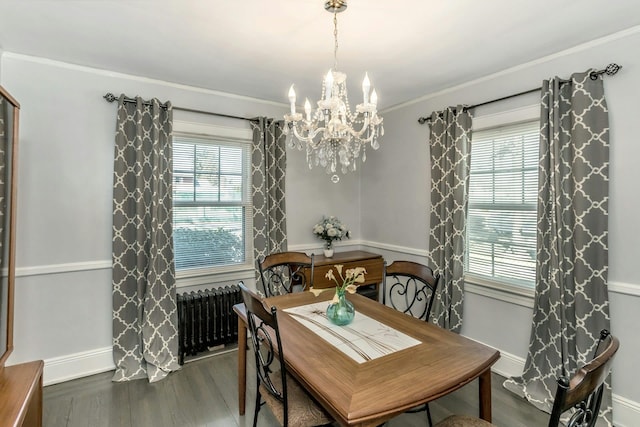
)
(492, 288)
(237, 136)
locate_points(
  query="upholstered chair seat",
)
(463, 421)
(303, 411)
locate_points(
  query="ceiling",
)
(258, 48)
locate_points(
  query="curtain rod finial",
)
(610, 70)
(110, 97)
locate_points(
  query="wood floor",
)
(204, 393)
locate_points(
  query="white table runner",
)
(364, 339)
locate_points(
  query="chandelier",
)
(334, 136)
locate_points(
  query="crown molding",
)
(578, 48)
(141, 79)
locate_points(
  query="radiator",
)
(206, 319)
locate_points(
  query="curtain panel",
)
(571, 298)
(268, 168)
(145, 321)
(450, 146)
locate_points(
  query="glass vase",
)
(342, 312)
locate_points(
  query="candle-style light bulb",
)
(307, 108)
(328, 83)
(374, 97)
(366, 85)
(292, 99)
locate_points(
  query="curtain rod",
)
(111, 97)
(610, 70)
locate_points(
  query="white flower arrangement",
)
(331, 229)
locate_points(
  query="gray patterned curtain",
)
(571, 300)
(268, 167)
(450, 145)
(145, 321)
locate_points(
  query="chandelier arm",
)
(364, 141)
(314, 145)
(309, 139)
(297, 134)
(365, 126)
(373, 135)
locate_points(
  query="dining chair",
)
(582, 393)
(410, 287)
(287, 399)
(284, 272)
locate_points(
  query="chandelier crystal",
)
(335, 137)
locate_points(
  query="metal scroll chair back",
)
(410, 287)
(284, 273)
(288, 401)
(584, 391)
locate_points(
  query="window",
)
(211, 203)
(503, 182)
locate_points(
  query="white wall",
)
(395, 199)
(63, 288)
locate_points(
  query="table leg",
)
(242, 365)
(485, 395)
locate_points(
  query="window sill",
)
(229, 275)
(499, 291)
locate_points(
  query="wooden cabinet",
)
(21, 395)
(373, 263)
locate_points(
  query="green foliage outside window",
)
(208, 244)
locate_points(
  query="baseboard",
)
(626, 413)
(77, 365)
(508, 365)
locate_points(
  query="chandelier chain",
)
(335, 38)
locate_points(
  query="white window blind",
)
(503, 184)
(211, 202)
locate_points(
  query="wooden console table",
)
(373, 263)
(21, 395)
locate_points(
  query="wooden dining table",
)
(371, 392)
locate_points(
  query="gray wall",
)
(395, 199)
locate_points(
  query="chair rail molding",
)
(70, 267)
(624, 288)
(631, 289)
